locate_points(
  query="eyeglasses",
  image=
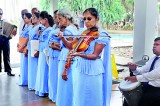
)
(88, 18)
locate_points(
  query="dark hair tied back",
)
(28, 15)
(37, 14)
(44, 14)
(92, 11)
(50, 20)
(56, 11)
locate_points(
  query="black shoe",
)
(10, 74)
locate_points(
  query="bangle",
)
(86, 56)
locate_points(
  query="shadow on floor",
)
(12, 94)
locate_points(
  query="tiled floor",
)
(13, 95)
(116, 99)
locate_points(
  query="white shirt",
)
(153, 77)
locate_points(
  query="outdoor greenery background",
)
(112, 12)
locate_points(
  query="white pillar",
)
(158, 21)
(53, 6)
(144, 28)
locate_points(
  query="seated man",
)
(150, 75)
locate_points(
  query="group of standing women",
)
(69, 77)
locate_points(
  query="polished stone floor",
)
(11, 94)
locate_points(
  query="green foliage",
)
(45, 5)
(62, 4)
(113, 12)
(128, 27)
(109, 10)
(129, 7)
